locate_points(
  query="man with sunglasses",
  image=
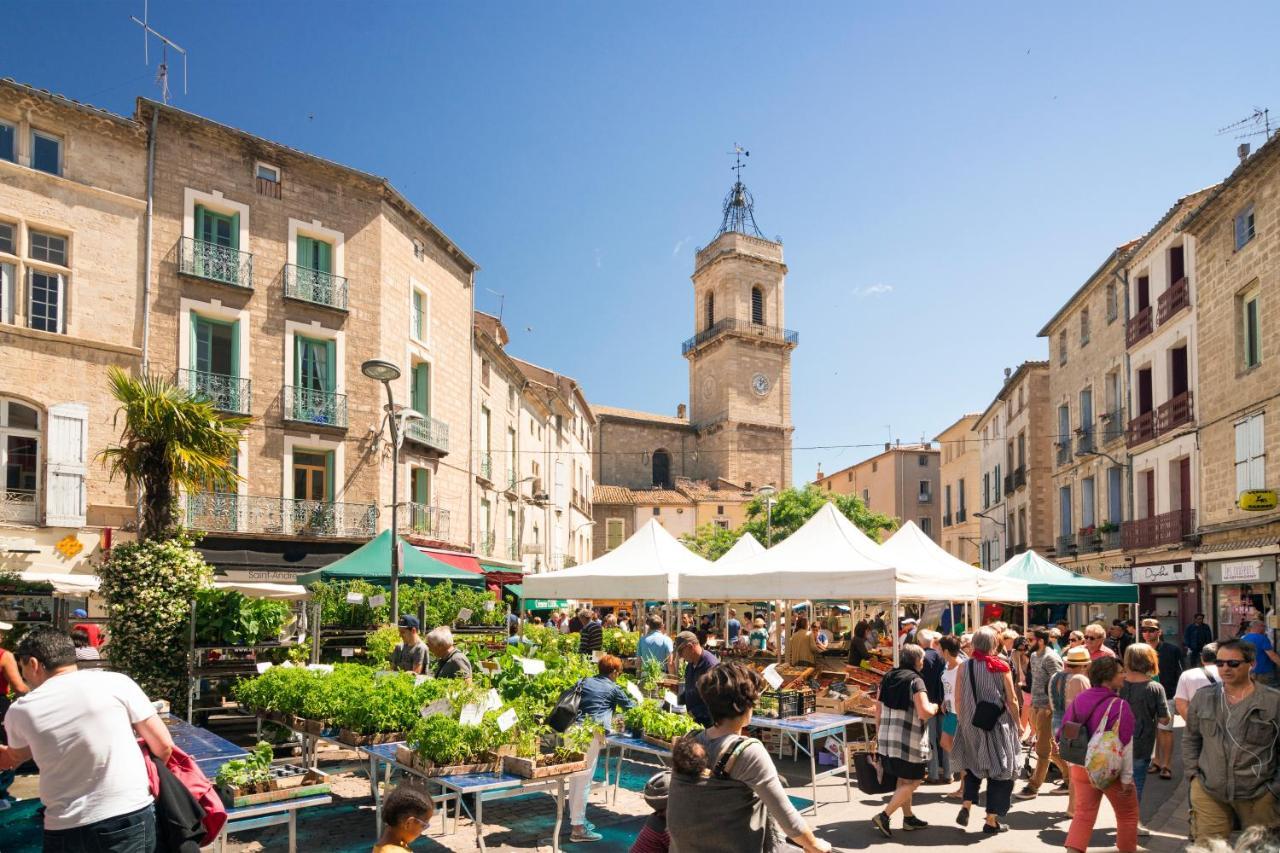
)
(1169, 658)
(82, 728)
(1229, 748)
(1095, 640)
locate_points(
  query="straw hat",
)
(1077, 656)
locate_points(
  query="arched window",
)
(662, 469)
(711, 310)
(757, 306)
(20, 461)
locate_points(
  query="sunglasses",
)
(1231, 663)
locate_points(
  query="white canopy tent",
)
(956, 580)
(71, 584)
(746, 547)
(645, 567)
(278, 591)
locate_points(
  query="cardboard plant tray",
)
(530, 768)
(650, 739)
(351, 738)
(242, 800)
(423, 767)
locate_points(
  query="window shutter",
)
(299, 349)
(306, 255)
(1257, 457)
(201, 226)
(65, 465)
(561, 500)
(323, 256)
(235, 230)
(1242, 455)
(328, 476)
(330, 358)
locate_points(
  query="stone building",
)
(276, 275)
(1087, 392)
(1014, 429)
(902, 481)
(1237, 314)
(72, 243)
(734, 436)
(960, 473)
(620, 511)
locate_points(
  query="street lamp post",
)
(767, 492)
(386, 373)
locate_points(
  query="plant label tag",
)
(263, 666)
(490, 665)
(286, 665)
(507, 719)
(346, 653)
(771, 676)
(492, 701)
(325, 668)
(488, 606)
(471, 715)
(596, 655)
(635, 691)
(533, 666)
(383, 673)
(421, 677)
(463, 615)
(355, 598)
(440, 706)
(670, 698)
(377, 600)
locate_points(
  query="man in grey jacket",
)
(1229, 748)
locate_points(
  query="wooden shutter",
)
(1243, 431)
(323, 256)
(68, 449)
(330, 358)
(306, 252)
(421, 402)
(235, 231)
(614, 531)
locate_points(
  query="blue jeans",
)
(939, 760)
(128, 833)
(1140, 768)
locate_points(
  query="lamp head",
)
(380, 369)
(766, 491)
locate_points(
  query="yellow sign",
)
(1258, 500)
(69, 546)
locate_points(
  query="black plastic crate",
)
(789, 703)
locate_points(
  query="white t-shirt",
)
(1193, 679)
(949, 688)
(79, 727)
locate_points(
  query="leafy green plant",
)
(380, 643)
(621, 643)
(243, 772)
(649, 718)
(650, 674)
(226, 616)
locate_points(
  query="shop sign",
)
(259, 576)
(69, 546)
(1164, 573)
(1258, 500)
(1122, 575)
(1246, 570)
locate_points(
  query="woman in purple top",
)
(1098, 707)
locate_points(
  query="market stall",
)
(1050, 583)
(372, 561)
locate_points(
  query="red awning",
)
(457, 559)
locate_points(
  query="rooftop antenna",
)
(1258, 123)
(739, 206)
(162, 73)
(502, 301)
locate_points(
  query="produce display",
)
(649, 720)
(225, 617)
(443, 601)
(253, 780)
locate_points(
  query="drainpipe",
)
(146, 249)
(471, 407)
(1128, 387)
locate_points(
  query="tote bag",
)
(1104, 759)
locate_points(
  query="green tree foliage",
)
(711, 541)
(148, 587)
(791, 509)
(169, 441)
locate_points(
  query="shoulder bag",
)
(985, 714)
(565, 713)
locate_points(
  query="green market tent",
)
(372, 561)
(1050, 583)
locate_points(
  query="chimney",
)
(680, 410)
(887, 445)
(820, 474)
(1242, 151)
(1008, 371)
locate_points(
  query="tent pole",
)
(893, 627)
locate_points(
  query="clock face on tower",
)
(760, 384)
(708, 387)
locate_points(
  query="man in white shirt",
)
(82, 728)
(1195, 678)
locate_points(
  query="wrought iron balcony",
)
(961, 515)
(227, 393)
(1175, 413)
(1141, 429)
(429, 432)
(1139, 326)
(1019, 477)
(1084, 440)
(19, 506)
(1063, 448)
(1095, 539)
(732, 325)
(1173, 300)
(424, 520)
(215, 263)
(484, 545)
(946, 520)
(484, 467)
(1065, 546)
(230, 513)
(309, 406)
(316, 287)
(1113, 425)
(1008, 484)
(1168, 528)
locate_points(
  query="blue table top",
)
(480, 781)
(210, 751)
(280, 806)
(385, 751)
(815, 722)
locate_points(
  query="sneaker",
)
(585, 835)
(881, 822)
(1027, 793)
(911, 822)
(995, 829)
(963, 817)
(5, 804)
(1143, 831)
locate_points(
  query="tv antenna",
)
(162, 73)
(1258, 123)
(502, 301)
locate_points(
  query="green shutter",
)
(421, 402)
(323, 256)
(235, 350)
(331, 375)
(420, 494)
(235, 230)
(201, 224)
(194, 354)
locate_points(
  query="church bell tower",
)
(740, 353)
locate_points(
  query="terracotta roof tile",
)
(610, 495)
(634, 414)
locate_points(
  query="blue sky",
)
(944, 175)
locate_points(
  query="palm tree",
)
(170, 441)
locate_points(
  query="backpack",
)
(565, 713)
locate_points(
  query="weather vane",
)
(738, 210)
(738, 153)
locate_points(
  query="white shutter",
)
(1242, 457)
(65, 464)
(1257, 454)
(562, 500)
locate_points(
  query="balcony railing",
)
(484, 545)
(1063, 448)
(1113, 426)
(733, 324)
(424, 520)
(229, 513)
(19, 506)
(1174, 413)
(215, 263)
(1173, 300)
(1064, 546)
(1097, 540)
(309, 406)
(1169, 528)
(1084, 440)
(1008, 484)
(429, 432)
(961, 515)
(513, 551)
(1019, 478)
(1138, 327)
(485, 467)
(924, 497)
(316, 287)
(946, 520)
(227, 393)
(1140, 429)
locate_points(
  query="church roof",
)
(612, 495)
(659, 497)
(636, 415)
(702, 491)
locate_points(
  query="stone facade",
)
(990, 428)
(902, 481)
(960, 474)
(72, 238)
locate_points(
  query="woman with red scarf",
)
(1095, 708)
(986, 744)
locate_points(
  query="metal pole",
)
(768, 522)
(395, 505)
(893, 627)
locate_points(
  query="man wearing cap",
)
(94, 632)
(1169, 661)
(410, 655)
(451, 662)
(907, 631)
(698, 661)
